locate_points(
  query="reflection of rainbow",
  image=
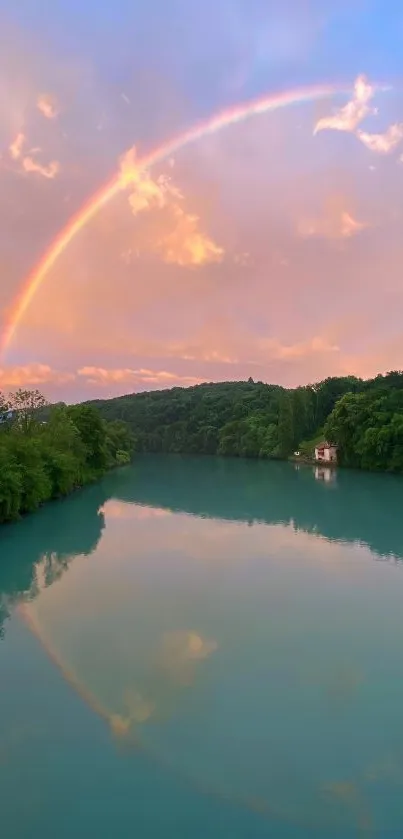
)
(227, 117)
(28, 614)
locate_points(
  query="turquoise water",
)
(205, 647)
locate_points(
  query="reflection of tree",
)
(364, 508)
(46, 542)
(361, 507)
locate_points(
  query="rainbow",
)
(225, 118)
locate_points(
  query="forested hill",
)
(252, 419)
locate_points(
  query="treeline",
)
(44, 459)
(252, 419)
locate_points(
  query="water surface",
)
(198, 646)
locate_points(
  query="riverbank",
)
(310, 461)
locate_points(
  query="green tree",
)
(91, 429)
(26, 404)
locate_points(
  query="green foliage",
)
(25, 403)
(46, 452)
(251, 419)
(368, 426)
(120, 442)
(92, 431)
(40, 460)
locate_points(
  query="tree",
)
(26, 403)
(91, 429)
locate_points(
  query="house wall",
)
(328, 454)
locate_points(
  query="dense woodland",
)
(48, 451)
(41, 459)
(252, 419)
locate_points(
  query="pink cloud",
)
(339, 225)
(129, 377)
(47, 105)
(177, 234)
(30, 375)
(50, 171)
(16, 147)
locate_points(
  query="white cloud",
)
(352, 114)
(383, 143)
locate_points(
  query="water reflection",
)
(257, 660)
(325, 474)
(43, 545)
(364, 509)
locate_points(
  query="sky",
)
(270, 247)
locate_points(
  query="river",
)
(205, 647)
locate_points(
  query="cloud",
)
(47, 105)
(352, 114)
(383, 143)
(335, 222)
(186, 244)
(181, 241)
(15, 148)
(32, 375)
(27, 162)
(50, 171)
(303, 349)
(127, 376)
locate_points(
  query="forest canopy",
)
(41, 459)
(252, 419)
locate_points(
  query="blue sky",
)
(222, 50)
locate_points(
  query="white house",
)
(326, 452)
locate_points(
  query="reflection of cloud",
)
(139, 708)
(383, 143)
(115, 509)
(350, 116)
(178, 238)
(178, 655)
(47, 105)
(348, 796)
(181, 647)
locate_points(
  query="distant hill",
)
(253, 419)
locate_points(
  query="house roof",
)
(325, 445)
